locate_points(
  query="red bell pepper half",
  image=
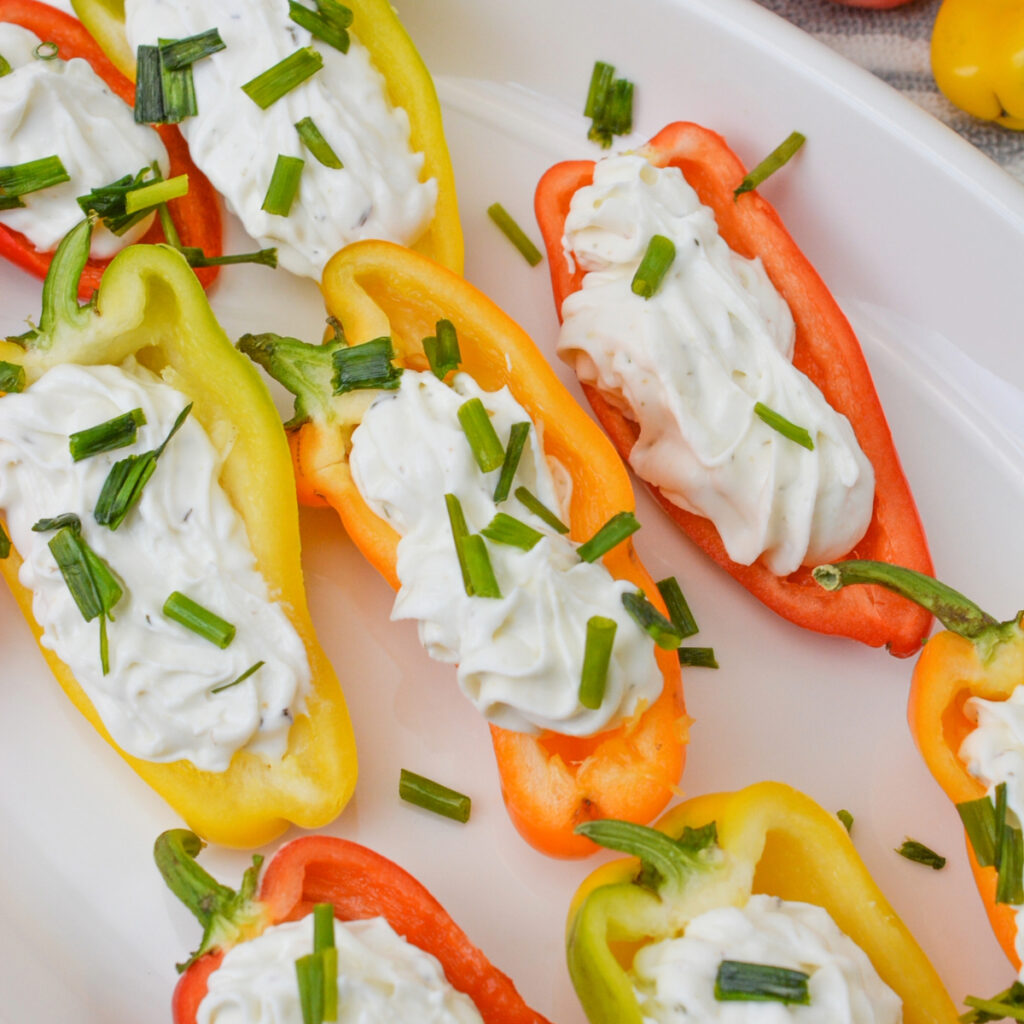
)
(325, 869)
(196, 215)
(826, 350)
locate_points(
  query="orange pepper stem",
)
(957, 613)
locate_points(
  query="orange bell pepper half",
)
(975, 656)
(550, 782)
(196, 215)
(826, 350)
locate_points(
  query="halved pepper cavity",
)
(196, 215)
(826, 350)
(975, 656)
(373, 289)
(150, 305)
(324, 869)
(766, 838)
(409, 86)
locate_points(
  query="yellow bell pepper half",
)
(151, 305)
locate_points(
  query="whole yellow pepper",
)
(977, 58)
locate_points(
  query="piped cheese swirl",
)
(519, 656)
(157, 700)
(689, 365)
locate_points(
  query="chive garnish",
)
(179, 93)
(366, 366)
(442, 350)
(979, 821)
(57, 523)
(323, 926)
(457, 522)
(309, 972)
(1008, 1004)
(661, 630)
(118, 432)
(514, 233)
(601, 79)
(609, 104)
(513, 453)
(481, 435)
(614, 532)
(109, 202)
(317, 144)
(597, 656)
(770, 164)
(149, 90)
(240, 679)
(697, 657)
(506, 529)
(329, 956)
(12, 377)
(18, 180)
(284, 185)
(193, 616)
(739, 981)
(540, 510)
(145, 197)
(661, 251)
(920, 854)
(5, 542)
(181, 53)
(846, 818)
(47, 50)
(433, 796)
(678, 608)
(127, 477)
(328, 22)
(787, 429)
(93, 585)
(482, 580)
(269, 86)
(1010, 882)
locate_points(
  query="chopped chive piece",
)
(47, 50)
(979, 821)
(662, 631)
(609, 104)
(697, 657)
(738, 981)
(540, 510)
(661, 251)
(597, 656)
(317, 144)
(32, 176)
(329, 956)
(601, 79)
(513, 453)
(433, 796)
(5, 542)
(109, 202)
(999, 838)
(619, 108)
(12, 377)
(195, 257)
(199, 620)
(269, 86)
(240, 679)
(481, 435)
(779, 422)
(678, 609)
(284, 185)
(5, 66)
(179, 93)
(149, 90)
(460, 531)
(770, 164)
(181, 53)
(1007, 1004)
(442, 351)
(366, 366)
(505, 529)
(1010, 882)
(124, 483)
(323, 926)
(147, 196)
(327, 23)
(309, 972)
(614, 532)
(482, 581)
(118, 432)
(57, 523)
(846, 818)
(514, 233)
(920, 854)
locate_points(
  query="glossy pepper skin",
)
(975, 656)
(976, 53)
(325, 869)
(770, 839)
(409, 86)
(150, 305)
(196, 216)
(550, 782)
(826, 350)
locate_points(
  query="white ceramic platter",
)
(921, 240)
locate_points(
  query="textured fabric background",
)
(894, 45)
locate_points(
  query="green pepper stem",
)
(952, 609)
(60, 289)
